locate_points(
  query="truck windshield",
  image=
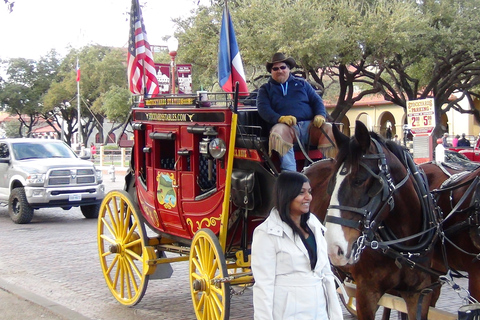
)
(23, 151)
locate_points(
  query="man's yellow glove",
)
(288, 120)
(318, 121)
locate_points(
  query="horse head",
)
(363, 188)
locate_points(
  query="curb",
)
(51, 306)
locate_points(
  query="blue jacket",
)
(300, 100)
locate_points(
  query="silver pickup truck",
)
(42, 173)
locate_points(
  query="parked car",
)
(42, 173)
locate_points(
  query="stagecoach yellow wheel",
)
(121, 247)
(207, 266)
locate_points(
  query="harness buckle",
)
(391, 202)
(366, 223)
(374, 245)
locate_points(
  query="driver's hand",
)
(288, 120)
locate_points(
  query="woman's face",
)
(301, 204)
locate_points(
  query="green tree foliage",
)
(13, 129)
(116, 106)
(101, 68)
(27, 81)
(403, 50)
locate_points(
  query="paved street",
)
(51, 266)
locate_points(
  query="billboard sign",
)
(421, 116)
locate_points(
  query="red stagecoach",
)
(200, 178)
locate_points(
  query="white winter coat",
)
(285, 286)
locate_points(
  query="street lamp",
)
(172, 44)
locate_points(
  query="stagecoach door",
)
(158, 176)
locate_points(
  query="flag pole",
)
(227, 21)
(79, 122)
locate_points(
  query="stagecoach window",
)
(165, 154)
(204, 181)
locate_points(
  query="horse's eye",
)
(358, 182)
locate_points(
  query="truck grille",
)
(73, 177)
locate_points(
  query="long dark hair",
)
(288, 187)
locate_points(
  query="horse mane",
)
(351, 153)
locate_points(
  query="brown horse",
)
(378, 206)
(461, 228)
(319, 173)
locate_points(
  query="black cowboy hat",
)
(280, 57)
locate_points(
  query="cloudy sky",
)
(36, 26)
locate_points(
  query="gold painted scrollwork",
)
(212, 221)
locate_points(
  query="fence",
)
(118, 157)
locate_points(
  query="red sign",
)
(183, 76)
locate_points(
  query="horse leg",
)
(367, 302)
(474, 282)
(386, 313)
(413, 299)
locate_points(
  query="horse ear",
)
(362, 136)
(340, 138)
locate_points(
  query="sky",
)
(37, 26)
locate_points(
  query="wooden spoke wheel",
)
(211, 298)
(121, 247)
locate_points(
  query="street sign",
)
(421, 116)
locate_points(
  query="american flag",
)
(141, 68)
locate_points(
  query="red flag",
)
(141, 68)
(78, 71)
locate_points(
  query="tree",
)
(27, 81)
(442, 58)
(101, 67)
(404, 50)
(116, 106)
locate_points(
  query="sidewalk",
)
(18, 304)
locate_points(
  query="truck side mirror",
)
(4, 153)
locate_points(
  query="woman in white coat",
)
(293, 278)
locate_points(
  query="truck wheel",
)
(18, 208)
(90, 211)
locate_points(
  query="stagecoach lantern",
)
(217, 148)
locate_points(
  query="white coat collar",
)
(275, 226)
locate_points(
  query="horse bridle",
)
(370, 213)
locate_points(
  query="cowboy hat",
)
(280, 57)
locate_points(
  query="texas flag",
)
(230, 66)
